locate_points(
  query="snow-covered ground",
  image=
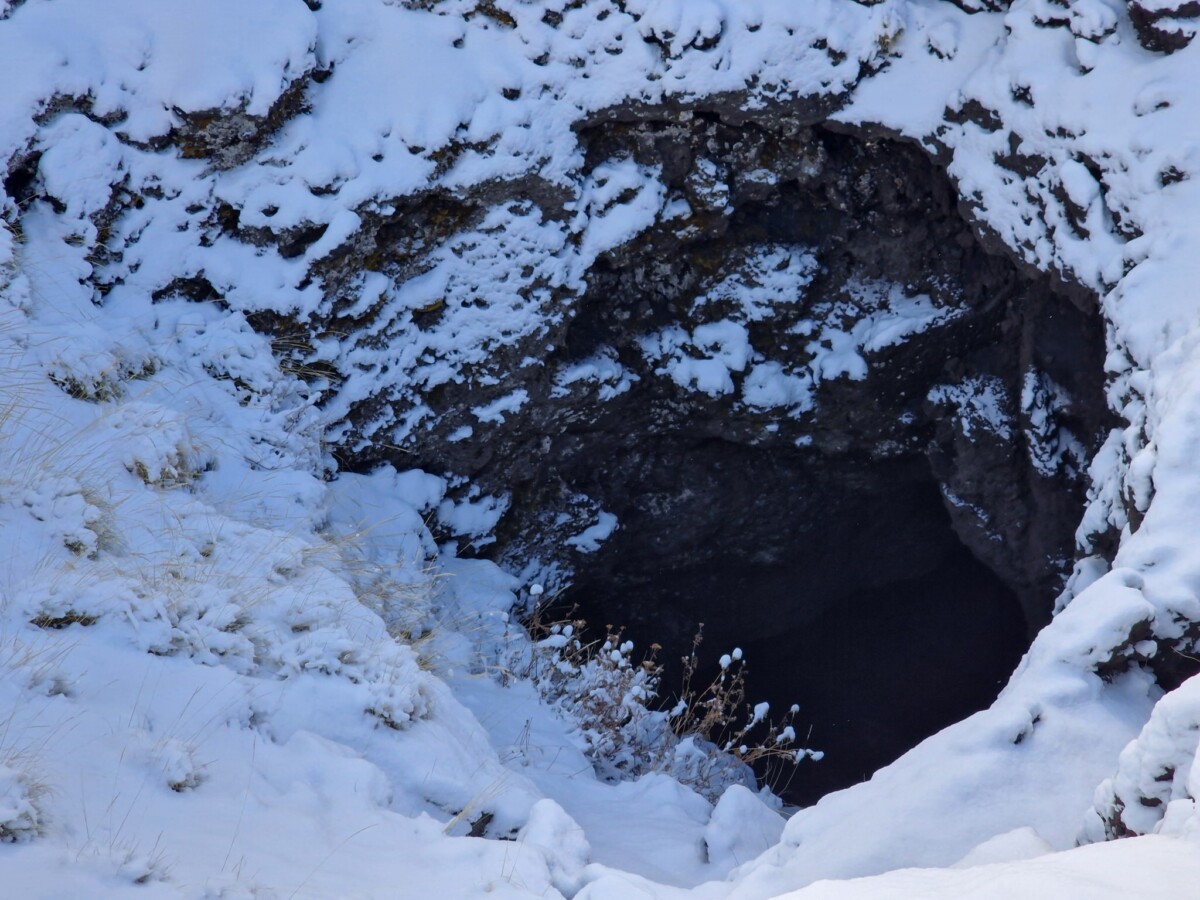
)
(224, 673)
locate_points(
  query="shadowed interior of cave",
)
(889, 666)
(865, 609)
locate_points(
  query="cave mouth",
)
(882, 559)
(879, 515)
(843, 582)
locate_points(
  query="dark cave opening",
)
(889, 666)
(882, 554)
(845, 586)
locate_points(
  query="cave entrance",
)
(835, 420)
(843, 582)
(883, 558)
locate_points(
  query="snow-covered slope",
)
(227, 673)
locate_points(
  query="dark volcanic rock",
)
(1165, 27)
(229, 137)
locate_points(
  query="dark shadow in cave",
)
(867, 610)
(889, 666)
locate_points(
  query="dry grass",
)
(707, 738)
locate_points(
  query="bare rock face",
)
(229, 137)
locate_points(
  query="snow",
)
(590, 539)
(1153, 789)
(723, 348)
(225, 675)
(602, 369)
(979, 402)
(142, 61)
(204, 697)
(741, 827)
(476, 516)
(494, 411)
(841, 334)
(1147, 867)
(874, 316)
(1051, 449)
(772, 274)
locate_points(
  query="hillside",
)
(349, 345)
